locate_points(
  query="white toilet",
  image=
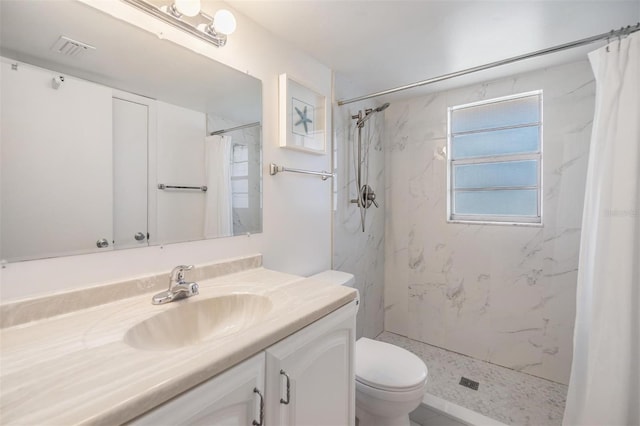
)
(390, 381)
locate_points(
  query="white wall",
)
(504, 294)
(297, 209)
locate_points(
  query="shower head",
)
(368, 113)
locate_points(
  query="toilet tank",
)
(335, 277)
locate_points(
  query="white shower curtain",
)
(605, 378)
(218, 219)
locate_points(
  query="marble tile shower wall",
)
(354, 251)
(503, 294)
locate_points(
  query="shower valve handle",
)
(372, 197)
(368, 196)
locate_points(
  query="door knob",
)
(102, 243)
(139, 236)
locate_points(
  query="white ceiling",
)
(377, 45)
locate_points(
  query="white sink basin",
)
(197, 320)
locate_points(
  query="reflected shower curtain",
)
(218, 219)
(605, 378)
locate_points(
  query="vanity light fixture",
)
(187, 16)
(225, 24)
(183, 7)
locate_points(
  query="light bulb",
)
(224, 22)
(187, 7)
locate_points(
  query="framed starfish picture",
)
(303, 113)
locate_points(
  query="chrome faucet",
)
(178, 287)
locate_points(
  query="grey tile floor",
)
(506, 395)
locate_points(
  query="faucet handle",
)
(194, 289)
(177, 274)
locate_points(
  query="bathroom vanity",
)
(263, 347)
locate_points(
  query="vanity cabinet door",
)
(316, 364)
(227, 399)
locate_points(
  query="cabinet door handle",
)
(282, 401)
(261, 422)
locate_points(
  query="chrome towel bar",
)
(163, 186)
(274, 169)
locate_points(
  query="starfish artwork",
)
(304, 120)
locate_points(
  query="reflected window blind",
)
(240, 176)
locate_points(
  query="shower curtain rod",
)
(243, 126)
(604, 36)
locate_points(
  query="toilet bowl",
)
(390, 381)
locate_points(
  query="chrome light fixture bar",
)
(200, 25)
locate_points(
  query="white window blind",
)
(495, 160)
(240, 176)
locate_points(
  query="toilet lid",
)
(388, 367)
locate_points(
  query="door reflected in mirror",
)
(130, 144)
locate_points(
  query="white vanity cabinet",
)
(227, 399)
(311, 376)
(306, 379)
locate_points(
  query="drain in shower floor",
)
(468, 383)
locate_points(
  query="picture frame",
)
(303, 117)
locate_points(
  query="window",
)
(495, 160)
(240, 176)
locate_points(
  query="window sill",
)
(489, 222)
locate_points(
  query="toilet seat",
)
(387, 367)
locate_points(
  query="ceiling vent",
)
(69, 47)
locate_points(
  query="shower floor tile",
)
(506, 395)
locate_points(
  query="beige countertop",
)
(75, 368)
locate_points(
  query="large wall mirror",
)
(130, 141)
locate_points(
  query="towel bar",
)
(163, 186)
(274, 169)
